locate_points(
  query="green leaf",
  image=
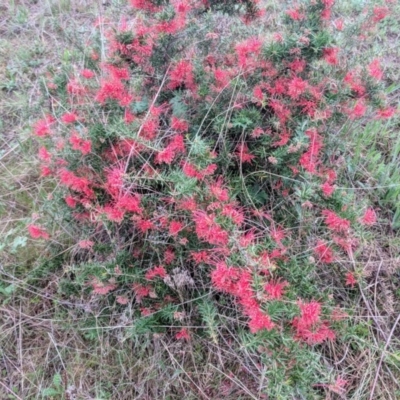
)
(9, 289)
(396, 219)
(140, 106)
(57, 380)
(49, 392)
(183, 185)
(19, 241)
(179, 108)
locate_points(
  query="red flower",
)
(85, 244)
(295, 14)
(101, 287)
(37, 232)
(328, 3)
(149, 128)
(375, 70)
(316, 334)
(327, 189)
(330, 175)
(179, 125)
(257, 132)
(130, 203)
(183, 334)
(188, 204)
(281, 110)
(128, 117)
(218, 191)
(358, 110)
(242, 152)
(247, 239)
(110, 89)
(369, 217)
(350, 279)
(277, 234)
(386, 112)
(145, 5)
(309, 326)
(69, 118)
(117, 73)
(245, 292)
(380, 13)
(230, 211)
(310, 313)
(77, 143)
(175, 227)
(113, 213)
(45, 171)
(330, 55)
(182, 6)
(224, 278)
(144, 225)
(44, 155)
(165, 156)
(169, 256)
(355, 83)
(297, 65)
(190, 170)
(156, 271)
(208, 230)
(74, 87)
(323, 252)
(309, 159)
(87, 73)
(222, 78)
(42, 127)
(258, 94)
(182, 74)
(114, 181)
(259, 321)
(71, 201)
(122, 300)
(249, 47)
(275, 289)
(200, 257)
(76, 183)
(207, 171)
(296, 87)
(334, 222)
(348, 244)
(140, 291)
(338, 24)
(338, 386)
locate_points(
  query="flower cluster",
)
(309, 326)
(161, 150)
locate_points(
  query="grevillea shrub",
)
(186, 163)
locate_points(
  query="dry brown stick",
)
(371, 397)
(10, 391)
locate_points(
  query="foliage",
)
(181, 172)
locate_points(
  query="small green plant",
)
(55, 391)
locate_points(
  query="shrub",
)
(188, 164)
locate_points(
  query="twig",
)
(180, 366)
(371, 396)
(56, 347)
(236, 382)
(10, 391)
